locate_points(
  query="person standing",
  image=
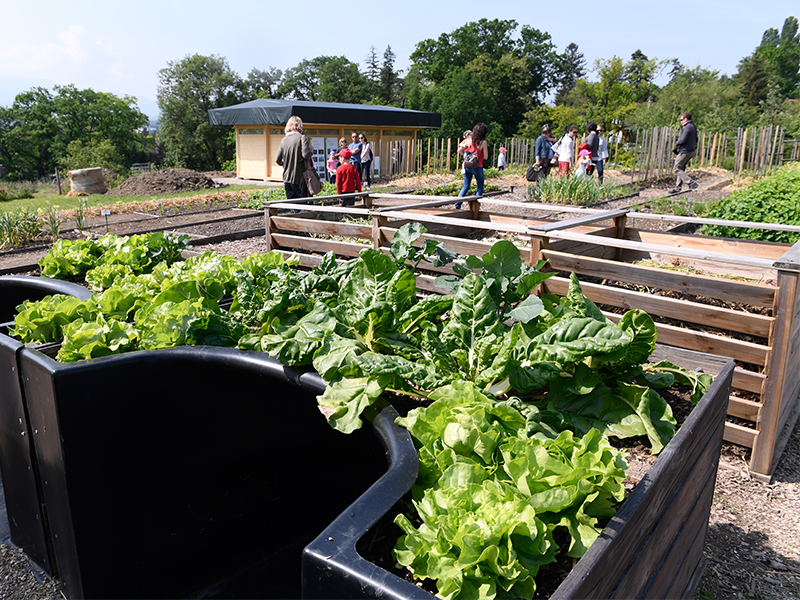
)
(501, 159)
(543, 151)
(566, 152)
(476, 144)
(292, 155)
(366, 160)
(602, 153)
(332, 165)
(347, 177)
(684, 151)
(355, 148)
(592, 142)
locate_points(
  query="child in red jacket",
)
(347, 179)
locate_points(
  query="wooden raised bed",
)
(652, 548)
(600, 246)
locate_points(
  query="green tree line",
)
(509, 76)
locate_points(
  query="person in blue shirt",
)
(544, 151)
(355, 152)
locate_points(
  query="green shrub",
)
(579, 190)
(774, 199)
(20, 227)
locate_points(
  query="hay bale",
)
(84, 182)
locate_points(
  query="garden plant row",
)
(517, 396)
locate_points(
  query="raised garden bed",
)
(17, 462)
(653, 546)
(195, 471)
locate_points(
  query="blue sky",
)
(119, 47)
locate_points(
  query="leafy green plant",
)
(774, 199)
(491, 493)
(53, 221)
(19, 227)
(80, 215)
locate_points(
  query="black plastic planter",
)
(194, 471)
(652, 548)
(17, 464)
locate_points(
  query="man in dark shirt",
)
(684, 151)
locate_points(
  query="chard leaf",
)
(642, 330)
(574, 339)
(348, 399)
(528, 309)
(472, 319)
(295, 343)
(336, 357)
(580, 304)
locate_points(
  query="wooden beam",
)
(740, 435)
(672, 308)
(714, 287)
(736, 259)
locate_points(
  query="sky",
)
(119, 47)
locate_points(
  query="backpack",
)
(471, 160)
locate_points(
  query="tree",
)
(373, 70)
(484, 72)
(187, 90)
(37, 130)
(263, 84)
(387, 89)
(775, 60)
(572, 67)
(325, 79)
(639, 73)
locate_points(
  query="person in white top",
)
(602, 153)
(566, 151)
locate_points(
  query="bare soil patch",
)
(167, 181)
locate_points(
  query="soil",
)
(753, 539)
(163, 182)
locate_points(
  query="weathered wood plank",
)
(324, 227)
(672, 308)
(713, 287)
(767, 250)
(669, 537)
(582, 220)
(744, 409)
(316, 245)
(673, 578)
(743, 436)
(722, 257)
(778, 370)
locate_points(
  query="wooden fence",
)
(753, 321)
(756, 150)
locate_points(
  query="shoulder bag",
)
(311, 178)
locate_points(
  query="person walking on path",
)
(477, 144)
(602, 153)
(543, 151)
(347, 177)
(366, 160)
(684, 151)
(293, 153)
(566, 151)
(355, 148)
